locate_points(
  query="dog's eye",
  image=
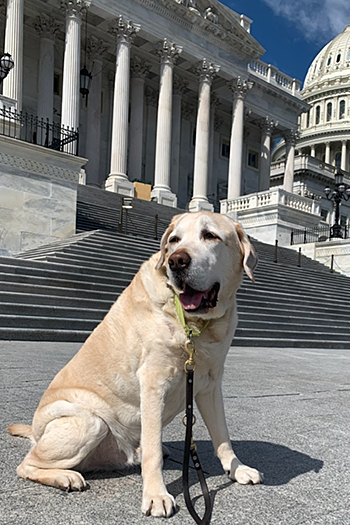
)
(174, 239)
(210, 235)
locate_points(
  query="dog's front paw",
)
(160, 506)
(245, 475)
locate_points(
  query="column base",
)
(164, 196)
(200, 205)
(118, 184)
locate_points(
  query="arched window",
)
(341, 109)
(338, 159)
(329, 60)
(318, 114)
(348, 55)
(338, 59)
(308, 119)
(329, 111)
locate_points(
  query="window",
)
(308, 119)
(329, 61)
(341, 109)
(318, 114)
(57, 84)
(329, 111)
(324, 214)
(338, 59)
(338, 159)
(348, 55)
(225, 148)
(253, 159)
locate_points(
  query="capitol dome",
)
(332, 64)
(324, 131)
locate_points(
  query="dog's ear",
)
(250, 259)
(163, 242)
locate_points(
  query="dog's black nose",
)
(179, 260)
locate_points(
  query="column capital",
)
(240, 87)
(291, 137)
(344, 142)
(139, 68)
(179, 85)
(124, 30)
(218, 122)
(268, 124)
(75, 7)
(168, 52)
(215, 100)
(95, 48)
(46, 26)
(151, 97)
(207, 71)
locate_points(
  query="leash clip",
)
(190, 364)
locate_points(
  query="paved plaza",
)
(288, 415)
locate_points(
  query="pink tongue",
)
(191, 301)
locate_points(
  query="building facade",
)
(178, 97)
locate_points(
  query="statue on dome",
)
(192, 6)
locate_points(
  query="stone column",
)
(343, 155)
(265, 154)
(151, 97)
(239, 89)
(47, 28)
(95, 50)
(327, 157)
(288, 180)
(169, 53)
(180, 86)
(125, 31)
(139, 71)
(12, 84)
(75, 10)
(207, 71)
(215, 124)
(313, 150)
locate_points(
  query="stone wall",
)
(38, 189)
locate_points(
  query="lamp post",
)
(340, 193)
(6, 64)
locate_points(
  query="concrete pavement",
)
(288, 415)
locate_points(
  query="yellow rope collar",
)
(180, 313)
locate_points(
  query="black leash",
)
(190, 447)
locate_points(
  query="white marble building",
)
(178, 98)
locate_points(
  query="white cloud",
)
(318, 20)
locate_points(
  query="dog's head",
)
(203, 255)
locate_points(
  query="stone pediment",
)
(213, 21)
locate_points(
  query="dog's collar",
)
(180, 313)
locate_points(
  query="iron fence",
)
(315, 234)
(29, 128)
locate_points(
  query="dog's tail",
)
(21, 430)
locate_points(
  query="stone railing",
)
(273, 198)
(273, 76)
(306, 162)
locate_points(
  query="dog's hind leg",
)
(65, 443)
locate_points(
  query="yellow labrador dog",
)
(108, 405)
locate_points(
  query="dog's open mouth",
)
(194, 300)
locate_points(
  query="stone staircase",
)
(61, 291)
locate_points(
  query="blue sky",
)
(293, 31)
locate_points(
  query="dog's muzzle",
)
(195, 300)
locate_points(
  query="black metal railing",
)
(29, 128)
(315, 234)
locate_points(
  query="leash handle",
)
(191, 450)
